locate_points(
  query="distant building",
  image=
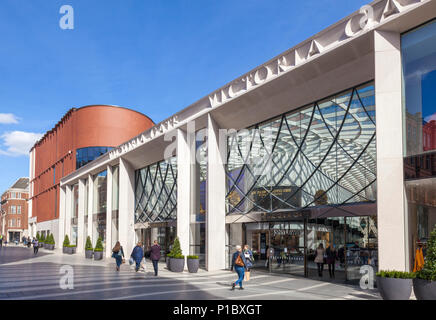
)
(82, 135)
(14, 211)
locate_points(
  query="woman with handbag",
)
(118, 254)
(249, 258)
(239, 263)
(319, 259)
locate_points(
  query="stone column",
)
(68, 210)
(126, 207)
(90, 207)
(216, 194)
(61, 221)
(391, 214)
(108, 245)
(184, 150)
(81, 215)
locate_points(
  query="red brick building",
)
(82, 135)
(14, 211)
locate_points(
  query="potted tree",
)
(193, 263)
(98, 250)
(395, 285)
(42, 241)
(66, 244)
(424, 285)
(50, 242)
(88, 248)
(177, 261)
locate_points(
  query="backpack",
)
(239, 262)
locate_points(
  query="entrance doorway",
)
(290, 246)
(164, 233)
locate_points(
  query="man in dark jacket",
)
(155, 255)
(137, 255)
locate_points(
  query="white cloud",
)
(8, 118)
(17, 143)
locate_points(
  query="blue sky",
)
(156, 57)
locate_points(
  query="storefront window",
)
(99, 205)
(419, 72)
(305, 179)
(418, 49)
(75, 214)
(199, 210)
(156, 204)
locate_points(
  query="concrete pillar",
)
(61, 235)
(68, 210)
(216, 195)
(80, 217)
(108, 244)
(184, 152)
(390, 185)
(90, 206)
(127, 207)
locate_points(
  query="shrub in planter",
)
(49, 242)
(42, 241)
(424, 285)
(177, 260)
(193, 263)
(88, 248)
(395, 285)
(98, 250)
(66, 244)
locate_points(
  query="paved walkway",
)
(39, 278)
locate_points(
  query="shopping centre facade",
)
(330, 142)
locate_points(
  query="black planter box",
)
(64, 249)
(394, 288)
(193, 265)
(424, 289)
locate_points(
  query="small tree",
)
(88, 245)
(176, 251)
(52, 239)
(99, 245)
(66, 241)
(42, 239)
(38, 237)
(428, 272)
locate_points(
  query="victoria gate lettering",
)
(366, 18)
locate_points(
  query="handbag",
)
(239, 261)
(131, 261)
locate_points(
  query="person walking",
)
(238, 263)
(319, 259)
(155, 256)
(137, 255)
(332, 256)
(29, 242)
(35, 246)
(248, 254)
(118, 254)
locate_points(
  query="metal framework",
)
(321, 155)
(156, 192)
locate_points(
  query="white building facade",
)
(313, 147)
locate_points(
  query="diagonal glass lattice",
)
(321, 155)
(156, 192)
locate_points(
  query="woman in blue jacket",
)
(137, 255)
(239, 264)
